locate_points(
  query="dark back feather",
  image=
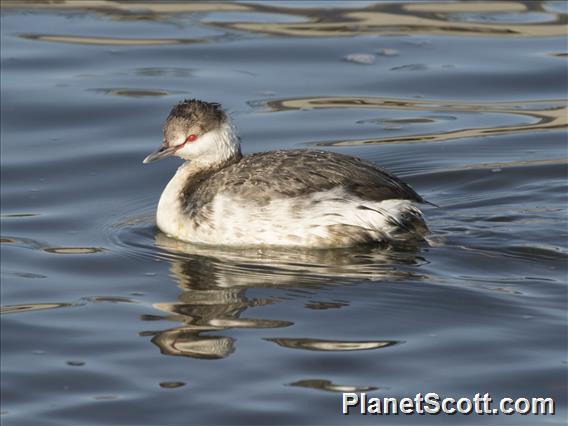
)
(259, 178)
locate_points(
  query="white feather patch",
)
(332, 218)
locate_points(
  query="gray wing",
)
(290, 173)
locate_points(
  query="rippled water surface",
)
(107, 321)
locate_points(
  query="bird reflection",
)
(213, 284)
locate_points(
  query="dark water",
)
(107, 321)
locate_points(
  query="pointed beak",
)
(162, 152)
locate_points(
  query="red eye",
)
(191, 138)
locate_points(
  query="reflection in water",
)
(132, 93)
(12, 309)
(549, 115)
(332, 345)
(22, 242)
(190, 343)
(494, 6)
(487, 19)
(319, 306)
(36, 245)
(127, 10)
(74, 39)
(248, 267)
(73, 250)
(410, 19)
(106, 299)
(213, 284)
(204, 306)
(326, 385)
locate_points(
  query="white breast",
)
(332, 218)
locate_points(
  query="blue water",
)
(105, 320)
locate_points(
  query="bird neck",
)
(178, 191)
(192, 173)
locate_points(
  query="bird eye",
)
(191, 138)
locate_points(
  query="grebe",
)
(306, 198)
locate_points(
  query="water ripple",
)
(327, 385)
(111, 41)
(546, 115)
(14, 309)
(332, 345)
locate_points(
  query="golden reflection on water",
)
(390, 19)
(73, 250)
(111, 41)
(130, 9)
(377, 19)
(494, 6)
(213, 297)
(548, 115)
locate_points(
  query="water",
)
(107, 321)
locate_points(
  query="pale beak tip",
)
(162, 152)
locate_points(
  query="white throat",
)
(214, 147)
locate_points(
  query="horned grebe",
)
(302, 198)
